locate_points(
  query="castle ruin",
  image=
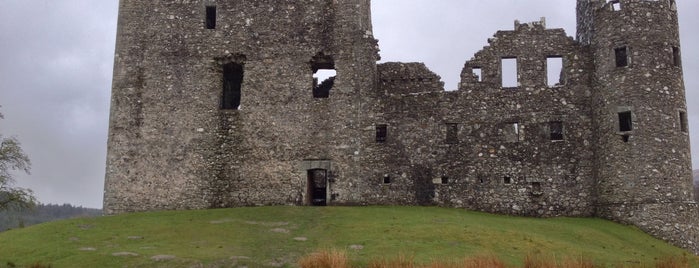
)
(215, 104)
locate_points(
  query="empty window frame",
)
(621, 56)
(477, 73)
(683, 121)
(323, 82)
(554, 71)
(445, 180)
(556, 130)
(232, 83)
(616, 5)
(507, 180)
(386, 179)
(625, 121)
(676, 59)
(210, 21)
(509, 71)
(512, 131)
(381, 133)
(324, 75)
(452, 133)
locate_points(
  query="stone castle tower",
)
(643, 165)
(218, 103)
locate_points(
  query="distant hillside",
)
(43, 213)
(280, 236)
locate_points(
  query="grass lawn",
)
(280, 236)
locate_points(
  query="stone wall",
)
(215, 104)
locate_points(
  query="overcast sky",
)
(56, 64)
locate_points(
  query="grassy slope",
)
(265, 236)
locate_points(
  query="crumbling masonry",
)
(215, 104)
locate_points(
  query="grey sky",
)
(56, 63)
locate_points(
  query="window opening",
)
(381, 133)
(554, 71)
(507, 180)
(324, 75)
(616, 5)
(445, 180)
(625, 121)
(478, 73)
(621, 55)
(386, 179)
(536, 189)
(232, 82)
(452, 133)
(676, 60)
(512, 132)
(509, 72)
(556, 130)
(210, 17)
(683, 121)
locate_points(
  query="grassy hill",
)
(280, 236)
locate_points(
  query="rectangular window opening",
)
(615, 4)
(381, 133)
(452, 133)
(210, 17)
(232, 82)
(556, 130)
(554, 71)
(445, 180)
(625, 121)
(507, 180)
(387, 179)
(478, 73)
(683, 122)
(512, 132)
(621, 55)
(676, 60)
(509, 72)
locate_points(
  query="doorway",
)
(318, 187)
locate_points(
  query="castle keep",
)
(215, 104)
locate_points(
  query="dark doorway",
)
(318, 187)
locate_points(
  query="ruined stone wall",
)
(214, 104)
(170, 144)
(484, 167)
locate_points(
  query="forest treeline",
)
(10, 219)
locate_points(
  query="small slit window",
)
(445, 180)
(509, 72)
(386, 179)
(210, 20)
(232, 83)
(507, 180)
(554, 71)
(621, 56)
(556, 130)
(381, 133)
(676, 59)
(683, 121)
(452, 133)
(625, 121)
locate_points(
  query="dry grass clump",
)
(338, 259)
(325, 259)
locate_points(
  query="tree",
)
(12, 158)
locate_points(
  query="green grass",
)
(264, 236)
